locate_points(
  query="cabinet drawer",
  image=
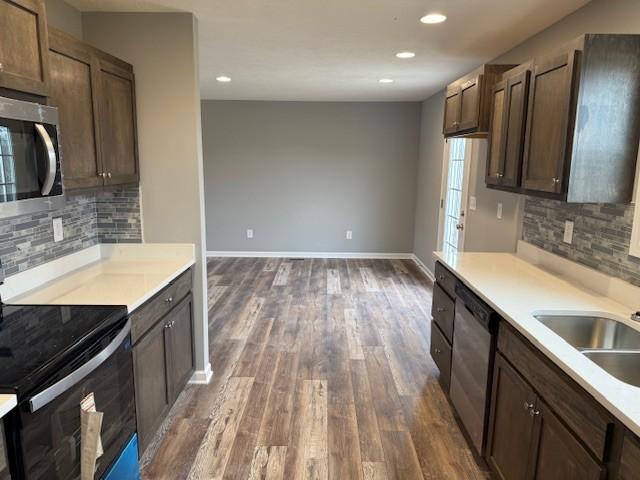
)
(580, 412)
(446, 280)
(441, 354)
(442, 310)
(143, 318)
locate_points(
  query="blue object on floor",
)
(126, 465)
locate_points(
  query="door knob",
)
(460, 226)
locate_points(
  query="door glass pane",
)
(453, 195)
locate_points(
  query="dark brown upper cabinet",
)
(117, 119)
(507, 129)
(24, 65)
(73, 92)
(583, 121)
(468, 103)
(95, 96)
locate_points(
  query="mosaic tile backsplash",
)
(601, 234)
(89, 217)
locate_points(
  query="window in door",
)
(452, 224)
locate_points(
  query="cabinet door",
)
(72, 91)
(451, 111)
(24, 46)
(180, 346)
(496, 134)
(511, 423)
(630, 458)
(118, 143)
(557, 452)
(514, 129)
(470, 104)
(549, 120)
(150, 361)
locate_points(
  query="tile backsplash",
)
(89, 217)
(601, 234)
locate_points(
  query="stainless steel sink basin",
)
(592, 332)
(609, 343)
(625, 366)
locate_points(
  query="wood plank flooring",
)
(321, 371)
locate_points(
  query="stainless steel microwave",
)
(30, 163)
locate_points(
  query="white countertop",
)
(516, 289)
(7, 402)
(125, 274)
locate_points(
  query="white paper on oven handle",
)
(90, 443)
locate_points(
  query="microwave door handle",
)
(51, 156)
(51, 393)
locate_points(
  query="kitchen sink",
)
(609, 343)
(586, 332)
(625, 366)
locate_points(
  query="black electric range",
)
(51, 357)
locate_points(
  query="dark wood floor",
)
(321, 370)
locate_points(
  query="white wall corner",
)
(202, 377)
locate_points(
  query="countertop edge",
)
(600, 397)
(7, 403)
(151, 293)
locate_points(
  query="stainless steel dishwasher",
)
(474, 344)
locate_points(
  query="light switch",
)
(473, 203)
(249, 233)
(568, 232)
(58, 231)
(499, 212)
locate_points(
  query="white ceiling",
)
(339, 49)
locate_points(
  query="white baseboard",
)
(202, 377)
(372, 255)
(423, 267)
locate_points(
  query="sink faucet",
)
(635, 316)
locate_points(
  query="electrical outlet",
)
(499, 212)
(473, 203)
(58, 231)
(349, 235)
(249, 233)
(568, 232)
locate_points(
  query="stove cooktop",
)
(37, 340)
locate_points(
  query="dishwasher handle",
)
(482, 312)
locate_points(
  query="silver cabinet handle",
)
(556, 180)
(109, 174)
(1, 67)
(441, 278)
(169, 300)
(528, 406)
(440, 309)
(51, 393)
(437, 350)
(534, 412)
(47, 185)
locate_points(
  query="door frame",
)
(468, 156)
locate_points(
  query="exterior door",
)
(455, 181)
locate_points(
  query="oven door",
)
(30, 167)
(49, 431)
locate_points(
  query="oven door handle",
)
(51, 157)
(49, 394)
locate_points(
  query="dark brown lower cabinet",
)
(511, 422)
(163, 363)
(557, 452)
(527, 439)
(150, 376)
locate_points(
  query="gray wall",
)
(64, 17)
(428, 179)
(163, 49)
(611, 16)
(300, 174)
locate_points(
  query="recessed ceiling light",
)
(386, 80)
(433, 18)
(223, 79)
(405, 54)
